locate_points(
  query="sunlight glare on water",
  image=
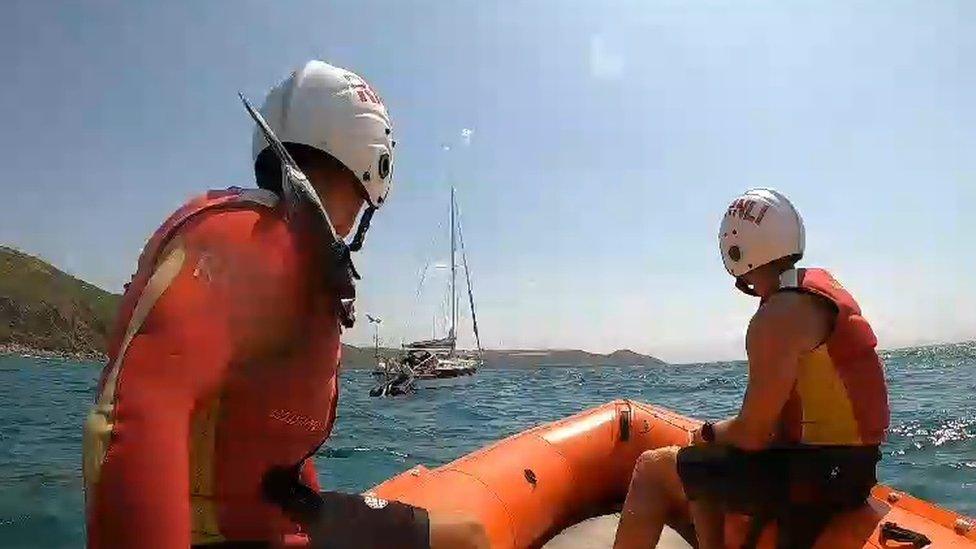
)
(931, 451)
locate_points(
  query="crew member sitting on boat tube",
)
(222, 378)
(804, 445)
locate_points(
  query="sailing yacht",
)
(439, 362)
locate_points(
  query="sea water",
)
(931, 452)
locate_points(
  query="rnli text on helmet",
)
(742, 209)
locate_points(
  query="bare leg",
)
(654, 496)
(456, 531)
(709, 525)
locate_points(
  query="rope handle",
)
(893, 532)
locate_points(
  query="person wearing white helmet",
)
(222, 378)
(804, 444)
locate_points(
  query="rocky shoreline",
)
(25, 351)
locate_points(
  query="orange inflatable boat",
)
(528, 488)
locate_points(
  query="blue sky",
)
(608, 138)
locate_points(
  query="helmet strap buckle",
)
(745, 287)
(789, 279)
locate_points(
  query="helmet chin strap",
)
(298, 192)
(787, 279)
(357, 241)
(744, 287)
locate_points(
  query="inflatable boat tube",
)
(529, 487)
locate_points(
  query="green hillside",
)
(565, 358)
(47, 309)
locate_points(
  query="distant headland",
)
(48, 313)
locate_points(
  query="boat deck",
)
(598, 532)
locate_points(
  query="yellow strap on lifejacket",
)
(98, 424)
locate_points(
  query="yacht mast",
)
(467, 278)
(453, 332)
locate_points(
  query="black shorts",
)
(763, 482)
(367, 522)
(353, 521)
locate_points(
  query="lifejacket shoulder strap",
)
(151, 254)
(233, 197)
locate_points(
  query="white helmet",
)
(760, 226)
(337, 112)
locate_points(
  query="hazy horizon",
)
(386, 346)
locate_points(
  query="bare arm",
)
(788, 325)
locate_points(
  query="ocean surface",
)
(931, 452)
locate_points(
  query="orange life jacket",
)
(234, 197)
(179, 382)
(840, 396)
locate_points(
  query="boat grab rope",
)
(893, 532)
(662, 414)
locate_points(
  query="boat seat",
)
(598, 533)
(853, 527)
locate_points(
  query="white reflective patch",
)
(260, 196)
(204, 267)
(374, 502)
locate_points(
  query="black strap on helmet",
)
(342, 276)
(357, 241)
(788, 280)
(744, 287)
(298, 192)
